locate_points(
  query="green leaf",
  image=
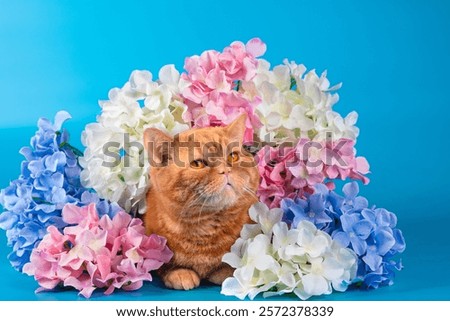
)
(293, 83)
(238, 85)
(41, 201)
(75, 150)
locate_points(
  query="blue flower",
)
(354, 231)
(370, 232)
(104, 207)
(50, 178)
(311, 210)
(353, 202)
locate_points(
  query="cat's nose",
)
(224, 170)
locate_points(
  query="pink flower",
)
(97, 253)
(211, 86)
(340, 161)
(238, 60)
(276, 178)
(290, 172)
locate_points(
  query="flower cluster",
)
(139, 104)
(50, 178)
(370, 232)
(97, 253)
(273, 259)
(297, 104)
(282, 104)
(290, 172)
(212, 81)
(64, 212)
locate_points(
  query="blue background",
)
(392, 57)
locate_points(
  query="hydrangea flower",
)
(139, 104)
(97, 253)
(50, 178)
(316, 242)
(212, 81)
(297, 104)
(273, 259)
(291, 172)
(215, 88)
(369, 231)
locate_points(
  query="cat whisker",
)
(196, 199)
(189, 203)
(252, 193)
(247, 189)
(201, 209)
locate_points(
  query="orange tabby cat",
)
(199, 199)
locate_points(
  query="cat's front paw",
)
(219, 275)
(181, 279)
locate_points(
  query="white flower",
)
(264, 217)
(312, 241)
(348, 261)
(284, 240)
(257, 255)
(256, 268)
(295, 104)
(278, 260)
(170, 77)
(296, 71)
(332, 122)
(118, 171)
(241, 287)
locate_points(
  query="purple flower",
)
(50, 178)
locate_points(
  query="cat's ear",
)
(157, 144)
(236, 129)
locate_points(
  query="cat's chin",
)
(220, 201)
(228, 194)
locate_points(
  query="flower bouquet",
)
(72, 217)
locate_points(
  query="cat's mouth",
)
(223, 195)
(227, 184)
(228, 187)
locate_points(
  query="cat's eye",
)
(198, 163)
(233, 157)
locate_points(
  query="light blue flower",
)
(50, 178)
(378, 245)
(353, 202)
(370, 232)
(104, 207)
(354, 231)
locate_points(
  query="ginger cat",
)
(199, 199)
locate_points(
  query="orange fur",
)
(194, 208)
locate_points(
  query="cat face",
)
(204, 169)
